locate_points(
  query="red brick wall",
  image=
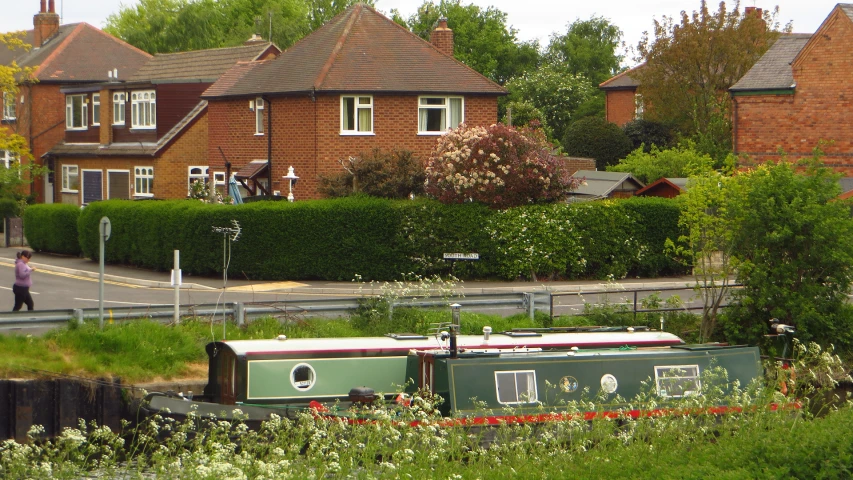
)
(820, 109)
(620, 106)
(47, 127)
(306, 134)
(578, 163)
(170, 169)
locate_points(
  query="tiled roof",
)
(622, 81)
(129, 149)
(847, 8)
(78, 52)
(773, 70)
(199, 65)
(599, 184)
(677, 183)
(359, 50)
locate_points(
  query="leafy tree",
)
(691, 63)
(553, 92)
(481, 37)
(792, 240)
(672, 162)
(498, 165)
(397, 174)
(588, 48)
(645, 133)
(595, 137)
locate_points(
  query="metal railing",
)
(242, 312)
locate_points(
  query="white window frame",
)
(70, 108)
(357, 107)
(259, 116)
(443, 108)
(9, 106)
(143, 109)
(96, 109)
(639, 106)
(661, 377)
(146, 174)
(66, 175)
(119, 101)
(7, 159)
(204, 176)
(526, 395)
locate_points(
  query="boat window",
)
(609, 384)
(516, 387)
(677, 380)
(303, 376)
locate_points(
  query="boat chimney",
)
(487, 331)
(454, 329)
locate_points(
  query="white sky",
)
(533, 19)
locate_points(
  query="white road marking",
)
(10, 289)
(113, 301)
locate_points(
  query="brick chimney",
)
(442, 37)
(753, 11)
(45, 23)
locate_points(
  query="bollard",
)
(239, 313)
(78, 314)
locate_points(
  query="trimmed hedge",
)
(52, 228)
(380, 239)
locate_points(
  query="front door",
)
(118, 184)
(93, 186)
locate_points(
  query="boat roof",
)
(404, 343)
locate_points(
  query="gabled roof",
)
(131, 148)
(623, 81)
(78, 52)
(199, 65)
(676, 183)
(598, 184)
(773, 70)
(359, 50)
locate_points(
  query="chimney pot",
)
(43, 6)
(52, 6)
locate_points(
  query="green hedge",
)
(52, 228)
(381, 239)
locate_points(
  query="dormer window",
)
(143, 109)
(96, 109)
(76, 112)
(118, 108)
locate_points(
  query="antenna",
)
(229, 234)
(269, 39)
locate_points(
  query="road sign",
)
(461, 256)
(105, 228)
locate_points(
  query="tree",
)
(498, 165)
(595, 137)
(646, 134)
(672, 162)
(690, 65)
(398, 174)
(588, 48)
(482, 39)
(792, 240)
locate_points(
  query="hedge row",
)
(52, 228)
(381, 239)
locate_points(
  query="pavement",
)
(84, 267)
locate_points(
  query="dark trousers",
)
(22, 296)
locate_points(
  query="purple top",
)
(22, 274)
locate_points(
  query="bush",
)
(498, 166)
(594, 137)
(52, 228)
(648, 134)
(656, 220)
(678, 161)
(396, 174)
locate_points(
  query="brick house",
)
(358, 83)
(799, 94)
(622, 102)
(145, 137)
(62, 56)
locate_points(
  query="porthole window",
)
(609, 383)
(302, 377)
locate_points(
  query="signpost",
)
(176, 282)
(105, 229)
(453, 257)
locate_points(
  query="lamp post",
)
(291, 180)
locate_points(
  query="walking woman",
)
(23, 282)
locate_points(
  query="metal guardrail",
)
(243, 312)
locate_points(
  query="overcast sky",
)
(533, 19)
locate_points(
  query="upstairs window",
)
(143, 109)
(356, 115)
(118, 108)
(96, 109)
(639, 108)
(259, 116)
(8, 106)
(438, 114)
(7, 159)
(70, 178)
(76, 112)
(143, 181)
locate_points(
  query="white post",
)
(176, 282)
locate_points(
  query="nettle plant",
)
(498, 165)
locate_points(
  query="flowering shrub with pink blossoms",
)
(498, 165)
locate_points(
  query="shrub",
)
(648, 134)
(680, 161)
(656, 220)
(396, 174)
(596, 138)
(498, 166)
(52, 228)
